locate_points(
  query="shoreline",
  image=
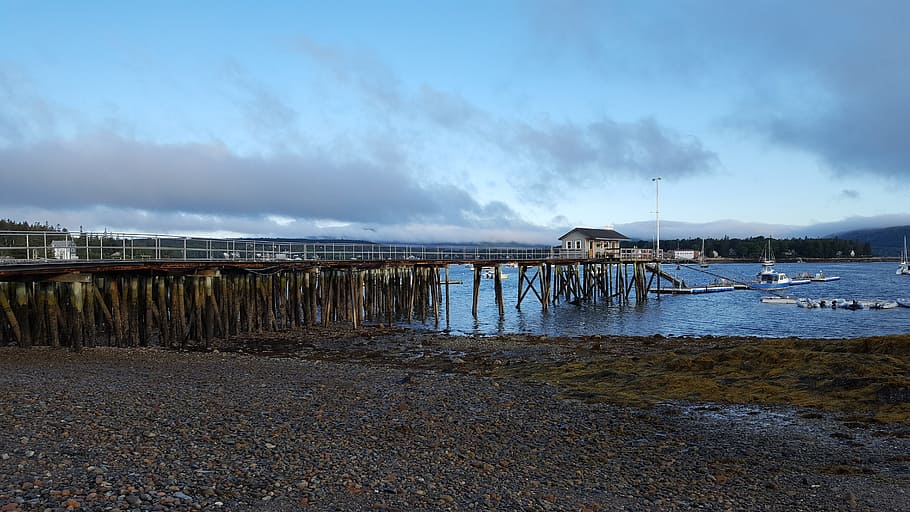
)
(391, 419)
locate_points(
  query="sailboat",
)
(701, 256)
(904, 268)
(768, 278)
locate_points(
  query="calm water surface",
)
(729, 313)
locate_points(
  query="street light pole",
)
(656, 181)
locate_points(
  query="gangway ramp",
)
(677, 282)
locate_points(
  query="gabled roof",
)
(597, 234)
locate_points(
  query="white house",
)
(64, 249)
(684, 254)
(593, 242)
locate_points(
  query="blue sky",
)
(455, 121)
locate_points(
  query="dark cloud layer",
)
(115, 172)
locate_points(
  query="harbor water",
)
(737, 313)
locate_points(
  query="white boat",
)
(904, 268)
(904, 303)
(489, 273)
(808, 303)
(777, 299)
(768, 278)
(801, 278)
(821, 277)
(883, 304)
(832, 303)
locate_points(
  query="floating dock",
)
(694, 290)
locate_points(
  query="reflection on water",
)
(731, 313)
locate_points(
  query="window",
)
(568, 244)
(578, 244)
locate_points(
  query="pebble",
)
(353, 437)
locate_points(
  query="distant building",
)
(593, 242)
(64, 249)
(683, 254)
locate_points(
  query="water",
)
(737, 313)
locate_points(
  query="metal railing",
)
(41, 246)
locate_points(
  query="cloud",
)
(738, 229)
(826, 78)
(646, 230)
(23, 115)
(361, 70)
(854, 223)
(605, 147)
(108, 170)
(565, 151)
(850, 194)
(832, 82)
(447, 110)
(268, 117)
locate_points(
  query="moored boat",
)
(904, 268)
(777, 299)
(804, 302)
(768, 278)
(833, 303)
(489, 273)
(854, 305)
(821, 277)
(801, 278)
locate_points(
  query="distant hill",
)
(885, 242)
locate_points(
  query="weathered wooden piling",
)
(192, 306)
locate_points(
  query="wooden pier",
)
(187, 302)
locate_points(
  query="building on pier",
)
(64, 249)
(593, 242)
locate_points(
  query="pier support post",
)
(476, 290)
(497, 278)
(11, 316)
(447, 295)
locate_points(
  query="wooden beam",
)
(70, 277)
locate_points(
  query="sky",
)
(429, 121)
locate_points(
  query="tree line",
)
(752, 248)
(13, 225)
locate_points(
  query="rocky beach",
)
(392, 419)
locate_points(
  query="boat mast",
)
(656, 181)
